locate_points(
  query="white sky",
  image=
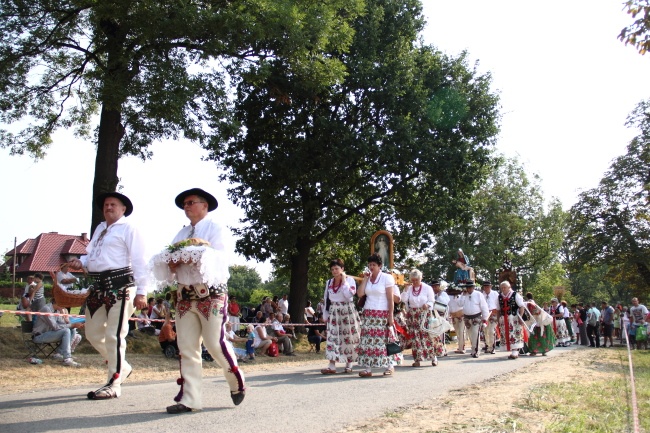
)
(566, 85)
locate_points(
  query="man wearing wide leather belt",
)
(476, 313)
(201, 303)
(116, 258)
(492, 299)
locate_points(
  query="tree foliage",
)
(610, 224)
(243, 280)
(508, 219)
(398, 145)
(637, 34)
(150, 69)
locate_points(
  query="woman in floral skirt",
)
(342, 319)
(377, 319)
(419, 299)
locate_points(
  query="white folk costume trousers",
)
(107, 331)
(204, 320)
(473, 326)
(459, 327)
(490, 332)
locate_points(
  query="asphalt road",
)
(291, 399)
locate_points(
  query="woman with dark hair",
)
(342, 319)
(377, 320)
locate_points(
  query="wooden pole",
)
(13, 281)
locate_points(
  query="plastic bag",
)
(273, 350)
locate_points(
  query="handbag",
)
(361, 302)
(392, 347)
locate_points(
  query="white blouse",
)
(424, 297)
(344, 293)
(376, 292)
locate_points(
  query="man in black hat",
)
(492, 300)
(116, 260)
(476, 313)
(201, 303)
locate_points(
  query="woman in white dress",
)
(342, 319)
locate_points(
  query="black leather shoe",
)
(178, 408)
(237, 397)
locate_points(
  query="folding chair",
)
(37, 350)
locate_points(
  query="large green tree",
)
(397, 145)
(508, 219)
(151, 69)
(610, 224)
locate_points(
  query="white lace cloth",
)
(204, 266)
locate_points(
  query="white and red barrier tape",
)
(135, 319)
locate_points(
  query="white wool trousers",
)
(107, 331)
(203, 321)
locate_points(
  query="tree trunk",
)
(111, 132)
(298, 281)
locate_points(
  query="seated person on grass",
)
(283, 337)
(167, 336)
(48, 330)
(232, 338)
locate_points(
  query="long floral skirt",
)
(515, 334)
(561, 333)
(423, 346)
(542, 343)
(374, 335)
(343, 333)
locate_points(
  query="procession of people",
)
(370, 333)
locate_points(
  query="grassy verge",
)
(595, 403)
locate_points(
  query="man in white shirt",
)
(476, 313)
(201, 301)
(458, 321)
(442, 306)
(283, 304)
(492, 300)
(281, 334)
(116, 260)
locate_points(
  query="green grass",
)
(596, 406)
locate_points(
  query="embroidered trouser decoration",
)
(106, 329)
(204, 320)
(473, 325)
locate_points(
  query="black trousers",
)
(593, 331)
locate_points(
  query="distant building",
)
(45, 253)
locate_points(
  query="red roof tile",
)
(48, 251)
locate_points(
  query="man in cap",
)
(201, 304)
(492, 300)
(476, 313)
(116, 260)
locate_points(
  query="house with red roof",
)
(45, 253)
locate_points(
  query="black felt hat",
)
(212, 202)
(99, 201)
(486, 284)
